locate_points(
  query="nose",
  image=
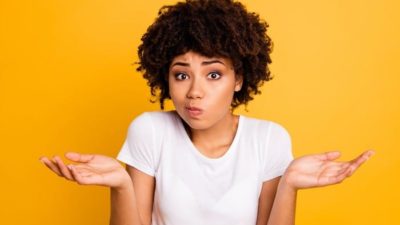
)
(195, 90)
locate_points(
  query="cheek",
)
(176, 93)
(223, 94)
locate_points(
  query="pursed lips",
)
(194, 111)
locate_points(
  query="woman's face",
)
(202, 88)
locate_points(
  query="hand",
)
(91, 169)
(319, 170)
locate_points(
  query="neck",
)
(215, 141)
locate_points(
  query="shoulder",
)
(154, 118)
(152, 122)
(273, 145)
(264, 127)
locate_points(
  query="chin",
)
(196, 124)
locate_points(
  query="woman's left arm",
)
(306, 172)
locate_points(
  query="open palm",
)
(90, 169)
(321, 170)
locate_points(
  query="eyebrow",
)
(203, 63)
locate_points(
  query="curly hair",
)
(222, 28)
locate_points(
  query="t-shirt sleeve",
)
(278, 152)
(139, 149)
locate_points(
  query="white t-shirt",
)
(192, 189)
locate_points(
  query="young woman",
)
(201, 163)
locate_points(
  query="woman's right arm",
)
(124, 209)
(136, 196)
(129, 199)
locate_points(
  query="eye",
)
(181, 76)
(214, 75)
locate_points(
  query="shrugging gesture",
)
(89, 169)
(319, 170)
(316, 170)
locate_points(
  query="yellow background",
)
(67, 83)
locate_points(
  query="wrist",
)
(125, 183)
(286, 185)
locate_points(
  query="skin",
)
(209, 84)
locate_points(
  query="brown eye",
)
(214, 75)
(181, 76)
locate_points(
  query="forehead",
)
(194, 57)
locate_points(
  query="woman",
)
(201, 163)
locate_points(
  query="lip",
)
(194, 111)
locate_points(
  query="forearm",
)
(124, 209)
(284, 206)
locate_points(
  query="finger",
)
(345, 168)
(334, 168)
(357, 162)
(51, 165)
(74, 173)
(339, 178)
(335, 164)
(345, 165)
(343, 172)
(330, 180)
(77, 157)
(85, 168)
(339, 166)
(83, 171)
(364, 156)
(64, 170)
(329, 156)
(82, 178)
(348, 168)
(335, 174)
(368, 154)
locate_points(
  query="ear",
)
(238, 83)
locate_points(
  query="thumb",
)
(330, 156)
(77, 157)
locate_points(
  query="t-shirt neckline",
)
(200, 155)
